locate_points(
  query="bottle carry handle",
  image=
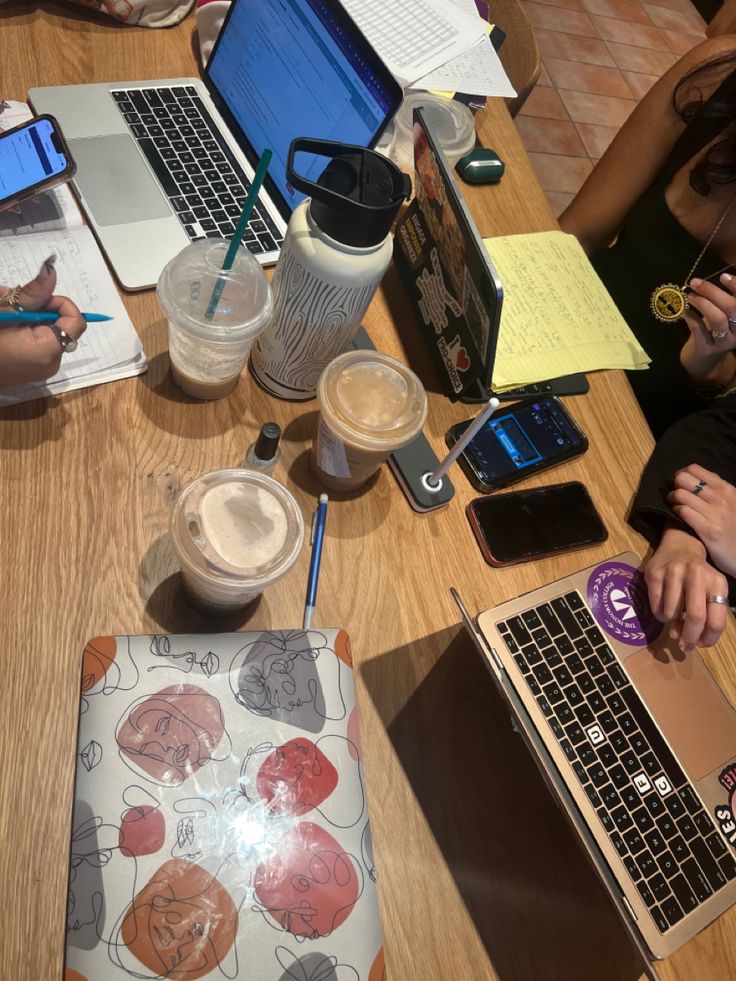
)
(332, 149)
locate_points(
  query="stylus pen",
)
(318, 533)
(44, 317)
(480, 420)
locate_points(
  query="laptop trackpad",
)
(117, 185)
(688, 704)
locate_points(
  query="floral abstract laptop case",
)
(220, 828)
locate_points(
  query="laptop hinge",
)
(481, 643)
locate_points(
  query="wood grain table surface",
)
(479, 876)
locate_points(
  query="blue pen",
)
(44, 317)
(318, 533)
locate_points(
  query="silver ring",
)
(699, 486)
(67, 343)
(718, 599)
(718, 335)
(732, 323)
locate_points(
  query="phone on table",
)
(532, 524)
(519, 440)
(33, 157)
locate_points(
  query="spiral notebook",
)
(220, 827)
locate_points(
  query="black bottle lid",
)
(268, 441)
(358, 194)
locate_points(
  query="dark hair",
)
(711, 117)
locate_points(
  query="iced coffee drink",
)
(235, 532)
(210, 342)
(370, 405)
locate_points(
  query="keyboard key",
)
(606, 820)
(630, 797)
(574, 600)
(607, 722)
(619, 742)
(584, 714)
(580, 772)
(655, 805)
(646, 863)
(626, 721)
(575, 733)
(633, 840)
(675, 806)
(629, 761)
(186, 218)
(655, 843)
(553, 693)
(561, 673)
(618, 843)
(687, 828)
(584, 618)
(556, 728)
(716, 844)
(564, 714)
(605, 685)
(593, 795)
(586, 683)
(643, 819)
(586, 753)
(531, 619)
(619, 777)
(566, 618)
(603, 651)
(616, 704)
(617, 675)
(660, 919)
(610, 797)
(666, 825)
(598, 775)
(703, 823)
(672, 911)
(539, 635)
(564, 645)
(707, 863)
(179, 204)
(606, 755)
(622, 819)
(636, 739)
(595, 734)
(696, 879)
(685, 896)
(632, 868)
(597, 702)
(667, 864)
(568, 750)
(584, 647)
(679, 849)
(187, 187)
(594, 665)
(646, 893)
(529, 651)
(511, 645)
(659, 887)
(727, 865)
(550, 621)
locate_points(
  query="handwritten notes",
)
(106, 351)
(557, 317)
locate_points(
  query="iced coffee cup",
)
(235, 533)
(208, 353)
(370, 405)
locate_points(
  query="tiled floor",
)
(599, 57)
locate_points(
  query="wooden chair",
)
(519, 53)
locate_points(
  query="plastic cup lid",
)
(450, 121)
(186, 284)
(373, 397)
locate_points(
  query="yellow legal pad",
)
(557, 317)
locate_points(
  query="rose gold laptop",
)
(635, 739)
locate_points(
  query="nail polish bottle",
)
(263, 454)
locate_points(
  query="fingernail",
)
(48, 265)
(726, 278)
(696, 282)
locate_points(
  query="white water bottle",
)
(338, 245)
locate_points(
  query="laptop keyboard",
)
(198, 172)
(645, 802)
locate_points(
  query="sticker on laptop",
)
(724, 813)
(617, 596)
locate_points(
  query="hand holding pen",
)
(31, 353)
(318, 533)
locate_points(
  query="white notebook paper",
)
(52, 224)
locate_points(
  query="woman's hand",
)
(680, 579)
(710, 512)
(33, 353)
(708, 354)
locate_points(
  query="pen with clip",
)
(318, 533)
(43, 317)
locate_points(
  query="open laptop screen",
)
(288, 68)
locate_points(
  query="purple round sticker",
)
(617, 596)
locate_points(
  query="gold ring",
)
(10, 299)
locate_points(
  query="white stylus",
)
(433, 481)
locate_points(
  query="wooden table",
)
(479, 877)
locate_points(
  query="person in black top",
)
(657, 216)
(686, 507)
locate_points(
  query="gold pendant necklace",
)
(669, 302)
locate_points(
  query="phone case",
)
(61, 178)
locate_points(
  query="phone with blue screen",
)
(33, 157)
(519, 440)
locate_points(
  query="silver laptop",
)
(162, 163)
(634, 738)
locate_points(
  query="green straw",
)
(239, 232)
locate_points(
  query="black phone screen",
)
(29, 155)
(522, 439)
(541, 521)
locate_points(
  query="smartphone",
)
(33, 157)
(519, 440)
(532, 524)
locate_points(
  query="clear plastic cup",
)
(207, 355)
(235, 533)
(370, 405)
